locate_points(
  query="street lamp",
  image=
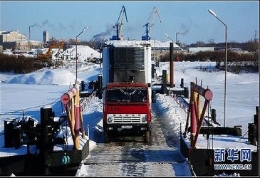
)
(168, 37)
(77, 53)
(225, 89)
(171, 61)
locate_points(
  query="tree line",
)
(21, 64)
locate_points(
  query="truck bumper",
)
(127, 128)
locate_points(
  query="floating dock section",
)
(54, 147)
(213, 150)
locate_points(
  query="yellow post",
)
(70, 123)
(167, 78)
(76, 107)
(198, 101)
(194, 98)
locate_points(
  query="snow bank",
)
(44, 77)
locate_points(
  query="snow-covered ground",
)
(29, 92)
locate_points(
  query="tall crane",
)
(150, 24)
(119, 24)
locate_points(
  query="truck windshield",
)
(127, 95)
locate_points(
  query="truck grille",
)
(126, 118)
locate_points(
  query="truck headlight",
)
(144, 119)
(110, 119)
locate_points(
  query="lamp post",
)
(225, 88)
(168, 37)
(77, 53)
(171, 62)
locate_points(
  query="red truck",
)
(127, 89)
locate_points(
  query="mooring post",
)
(164, 88)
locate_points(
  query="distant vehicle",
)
(95, 60)
(48, 54)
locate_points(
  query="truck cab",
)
(127, 110)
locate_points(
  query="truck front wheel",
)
(147, 137)
(106, 137)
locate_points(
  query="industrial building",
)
(14, 40)
(160, 49)
(46, 36)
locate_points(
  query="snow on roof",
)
(84, 52)
(152, 43)
(160, 44)
(134, 43)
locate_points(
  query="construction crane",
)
(119, 24)
(150, 24)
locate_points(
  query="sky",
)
(47, 86)
(66, 19)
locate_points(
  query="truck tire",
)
(147, 137)
(106, 137)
